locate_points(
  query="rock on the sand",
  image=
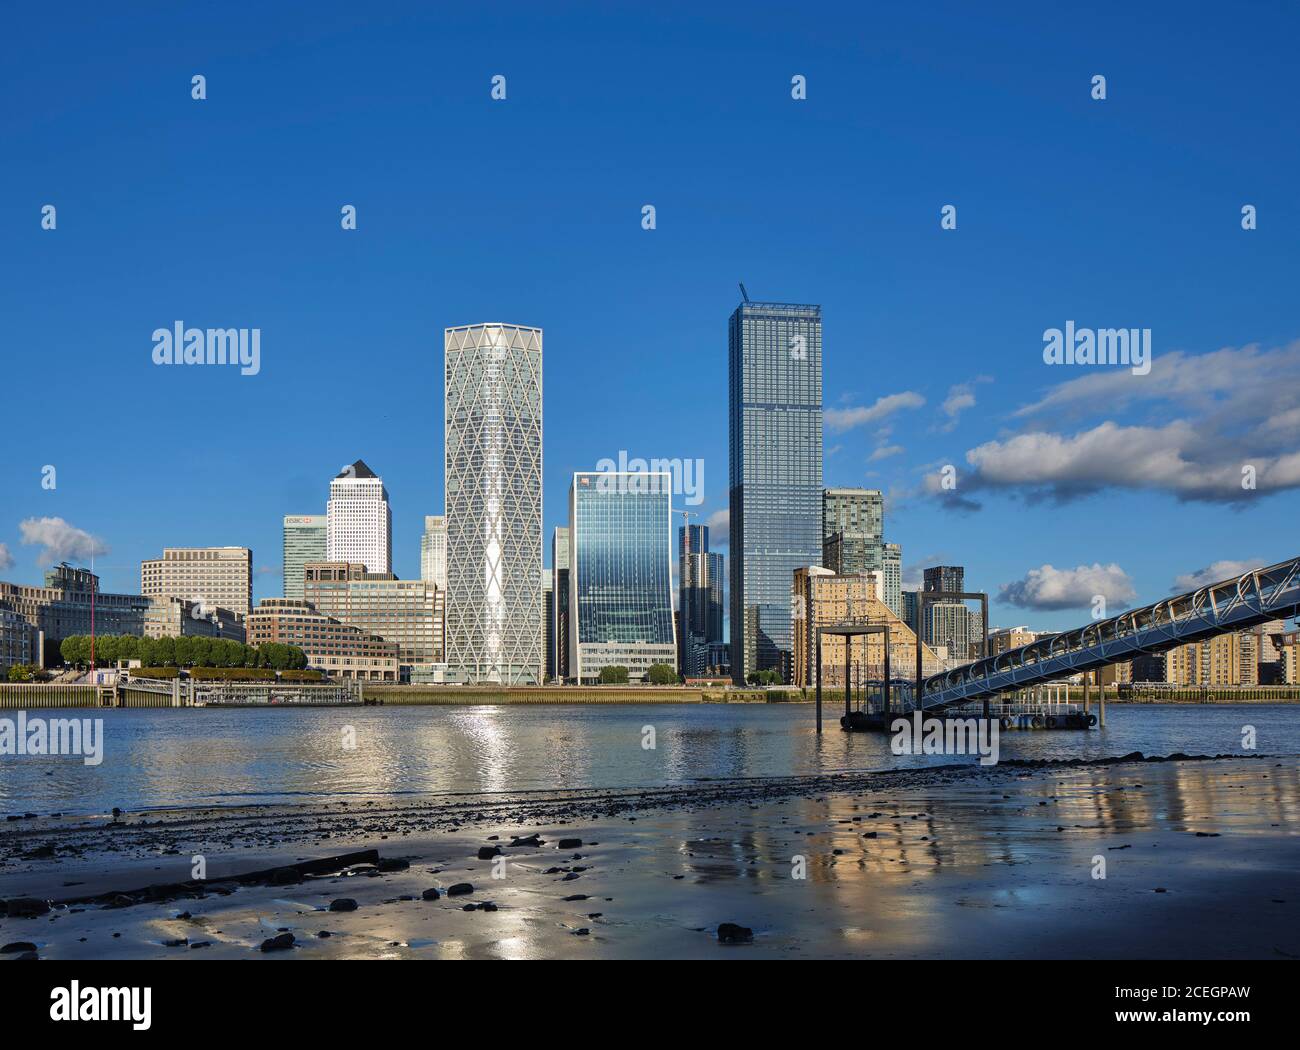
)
(25, 908)
(430, 894)
(488, 852)
(569, 843)
(17, 946)
(460, 889)
(394, 864)
(343, 904)
(730, 933)
(279, 943)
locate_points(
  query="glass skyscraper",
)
(620, 573)
(699, 598)
(304, 541)
(493, 455)
(775, 437)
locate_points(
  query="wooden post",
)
(1101, 708)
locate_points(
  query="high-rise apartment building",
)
(304, 541)
(853, 522)
(493, 467)
(620, 573)
(433, 551)
(359, 524)
(945, 578)
(775, 439)
(219, 577)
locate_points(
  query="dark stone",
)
(200, 944)
(460, 889)
(730, 933)
(324, 933)
(534, 839)
(17, 946)
(343, 904)
(576, 897)
(488, 852)
(280, 943)
(178, 942)
(571, 876)
(394, 864)
(570, 843)
(487, 906)
(26, 908)
(582, 932)
(430, 894)
(470, 907)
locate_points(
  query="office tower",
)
(359, 526)
(945, 578)
(179, 618)
(699, 583)
(408, 613)
(433, 551)
(338, 649)
(775, 438)
(821, 598)
(493, 487)
(62, 608)
(558, 658)
(219, 577)
(304, 541)
(620, 573)
(891, 564)
(548, 623)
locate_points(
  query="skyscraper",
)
(433, 551)
(620, 573)
(945, 578)
(775, 437)
(493, 469)
(304, 541)
(853, 523)
(359, 525)
(699, 588)
(558, 659)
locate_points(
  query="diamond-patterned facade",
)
(494, 503)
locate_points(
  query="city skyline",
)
(933, 337)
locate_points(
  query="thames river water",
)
(220, 756)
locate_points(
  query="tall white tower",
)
(359, 525)
(433, 551)
(494, 503)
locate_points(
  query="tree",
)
(661, 674)
(768, 677)
(613, 674)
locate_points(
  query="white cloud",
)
(6, 559)
(847, 418)
(1048, 588)
(884, 452)
(1220, 570)
(60, 541)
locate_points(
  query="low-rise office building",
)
(178, 617)
(216, 576)
(63, 606)
(338, 649)
(20, 642)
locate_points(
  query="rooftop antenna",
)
(743, 292)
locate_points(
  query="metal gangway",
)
(1248, 600)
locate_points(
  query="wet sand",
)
(1202, 860)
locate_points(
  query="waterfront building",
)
(218, 577)
(359, 523)
(433, 551)
(304, 541)
(700, 598)
(558, 656)
(20, 642)
(944, 578)
(338, 649)
(1001, 639)
(775, 440)
(620, 579)
(493, 473)
(821, 598)
(179, 617)
(1225, 659)
(408, 613)
(63, 607)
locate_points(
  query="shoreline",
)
(949, 861)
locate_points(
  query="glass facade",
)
(304, 541)
(775, 438)
(493, 450)
(620, 572)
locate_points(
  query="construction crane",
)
(743, 292)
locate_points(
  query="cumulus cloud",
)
(885, 451)
(60, 541)
(6, 559)
(960, 398)
(914, 573)
(1220, 570)
(848, 418)
(1222, 427)
(1049, 588)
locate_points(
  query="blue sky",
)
(225, 213)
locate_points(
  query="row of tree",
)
(656, 674)
(186, 651)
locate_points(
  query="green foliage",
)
(613, 674)
(185, 651)
(661, 674)
(763, 678)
